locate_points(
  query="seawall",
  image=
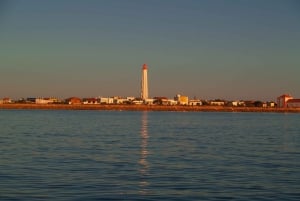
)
(147, 108)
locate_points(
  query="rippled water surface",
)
(110, 155)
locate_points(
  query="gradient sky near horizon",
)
(231, 49)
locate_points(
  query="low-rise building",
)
(90, 101)
(130, 98)
(138, 102)
(73, 101)
(217, 103)
(106, 100)
(30, 100)
(292, 103)
(282, 100)
(172, 102)
(46, 100)
(149, 101)
(164, 101)
(6, 100)
(286, 100)
(236, 103)
(118, 100)
(181, 100)
(271, 104)
(160, 100)
(249, 103)
(196, 102)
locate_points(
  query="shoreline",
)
(146, 108)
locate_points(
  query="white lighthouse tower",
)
(144, 84)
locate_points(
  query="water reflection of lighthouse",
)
(144, 166)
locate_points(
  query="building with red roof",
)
(286, 100)
(73, 100)
(293, 103)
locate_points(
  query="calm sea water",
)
(111, 155)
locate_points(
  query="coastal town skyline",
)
(144, 98)
(232, 50)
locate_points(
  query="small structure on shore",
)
(5, 100)
(73, 101)
(182, 100)
(195, 102)
(90, 101)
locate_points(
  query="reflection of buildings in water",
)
(144, 166)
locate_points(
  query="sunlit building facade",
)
(144, 83)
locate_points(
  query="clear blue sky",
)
(247, 49)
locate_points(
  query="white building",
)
(90, 101)
(195, 102)
(237, 103)
(149, 101)
(137, 102)
(106, 100)
(144, 83)
(172, 102)
(271, 104)
(45, 100)
(217, 103)
(120, 100)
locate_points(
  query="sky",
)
(209, 49)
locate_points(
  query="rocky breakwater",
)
(147, 108)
